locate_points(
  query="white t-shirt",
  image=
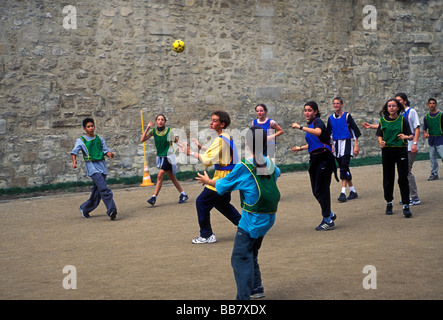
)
(414, 122)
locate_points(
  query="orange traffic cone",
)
(146, 178)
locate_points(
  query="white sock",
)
(343, 190)
(352, 188)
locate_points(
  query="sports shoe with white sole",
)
(113, 215)
(323, 226)
(200, 239)
(183, 198)
(257, 293)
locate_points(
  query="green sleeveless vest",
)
(391, 129)
(269, 195)
(434, 125)
(162, 141)
(94, 148)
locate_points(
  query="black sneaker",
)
(152, 200)
(389, 209)
(183, 198)
(342, 197)
(352, 195)
(258, 293)
(84, 214)
(323, 226)
(433, 177)
(407, 213)
(113, 214)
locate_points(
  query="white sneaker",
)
(211, 239)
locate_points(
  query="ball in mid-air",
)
(178, 46)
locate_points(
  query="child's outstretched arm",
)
(145, 136)
(204, 179)
(198, 144)
(186, 149)
(278, 132)
(367, 125)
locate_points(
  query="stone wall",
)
(110, 59)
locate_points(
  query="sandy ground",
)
(146, 253)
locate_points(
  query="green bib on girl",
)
(268, 193)
(391, 129)
(163, 141)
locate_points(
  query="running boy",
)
(223, 155)
(433, 131)
(256, 179)
(94, 149)
(163, 138)
(345, 134)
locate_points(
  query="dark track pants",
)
(245, 264)
(320, 171)
(209, 199)
(390, 157)
(100, 191)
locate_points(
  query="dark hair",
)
(339, 99)
(224, 117)
(384, 111)
(86, 121)
(314, 106)
(263, 106)
(160, 115)
(256, 139)
(432, 99)
(404, 97)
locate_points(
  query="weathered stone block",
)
(2, 126)
(269, 93)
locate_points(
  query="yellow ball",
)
(178, 46)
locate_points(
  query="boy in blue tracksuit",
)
(94, 151)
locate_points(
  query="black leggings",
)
(321, 167)
(390, 157)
